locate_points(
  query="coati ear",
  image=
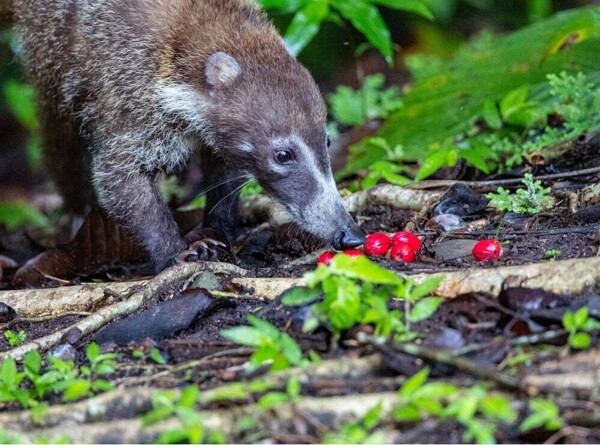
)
(221, 71)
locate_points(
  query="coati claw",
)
(187, 256)
(207, 248)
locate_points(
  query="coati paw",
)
(203, 242)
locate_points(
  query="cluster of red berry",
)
(403, 246)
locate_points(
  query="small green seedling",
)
(276, 398)
(272, 345)
(544, 414)
(167, 404)
(576, 324)
(15, 338)
(361, 431)
(357, 291)
(533, 199)
(553, 253)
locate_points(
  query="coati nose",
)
(348, 238)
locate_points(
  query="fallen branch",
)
(132, 401)
(105, 315)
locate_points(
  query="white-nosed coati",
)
(129, 88)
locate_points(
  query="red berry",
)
(409, 238)
(326, 257)
(353, 252)
(377, 244)
(487, 250)
(403, 252)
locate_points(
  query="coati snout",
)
(129, 89)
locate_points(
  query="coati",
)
(130, 88)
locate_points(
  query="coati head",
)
(264, 114)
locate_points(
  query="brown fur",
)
(129, 88)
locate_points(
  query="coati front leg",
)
(133, 199)
(222, 182)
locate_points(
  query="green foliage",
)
(553, 253)
(544, 413)
(15, 338)
(479, 411)
(308, 16)
(533, 199)
(21, 101)
(29, 386)
(357, 291)
(272, 345)
(275, 398)
(504, 80)
(15, 214)
(577, 324)
(251, 189)
(360, 431)
(167, 404)
(371, 101)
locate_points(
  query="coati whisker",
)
(237, 189)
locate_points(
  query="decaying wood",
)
(132, 401)
(562, 277)
(329, 413)
(104, 315)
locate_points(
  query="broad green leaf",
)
(498, 407)
(513, 101)
(491, 115)
(92, 352)
(446, 104)
(20, 98)
(432, 163)
(245, 335)
(366, 18)
(425, 308)
(407, 413)
(290, 349)
(305, 25)
(364, 269)
(282, 5)
(76, 390)
(568, 321)
(410, 386)
(264, 326)
(436, 391)
(581, 340)
(273, 399)
(14, 214)
(33, 362)
(299, 296)
(189, 396)
(415, 6)
(8, 372)
(581, 316)
(426, 287)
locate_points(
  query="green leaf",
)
(33, 363)
(426, 287)
(157, 357)
(8, 372)
(299, 296)
(568, 321)
(15, 214)
(21, 101)
(245, 335)
(425, 308)
(431, 164)
(189, 397)
(491, 115)
(513, 101)
(282, 5)
(273, 399)
(498, 407)
(580, 340)
(415, 6)
(290, 349)
(413, 384)
(76, 390)
(407, 413)
(265, 327)
(366, 18)
(363, 269)
(92, 352)
(581, 317)
(305, 25)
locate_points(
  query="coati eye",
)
(328, 142)
(284, 157)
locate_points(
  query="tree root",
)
(103, 316)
